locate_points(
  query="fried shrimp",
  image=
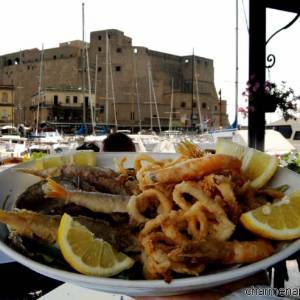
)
(192, 169)
(222, 252)
(97, 202)
(146, 202)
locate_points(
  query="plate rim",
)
(108, 284)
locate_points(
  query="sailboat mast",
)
(137, 95)
(96, 80)
(83, 68)
(195, 76)
(154, 98)
(236, 64)
(192, 102)
(150, 97)
(39, 90)
(90, 90)
(171, 108)
(106, 80)
(112, 88)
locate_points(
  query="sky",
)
(171, 26)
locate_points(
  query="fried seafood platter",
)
(150, 224)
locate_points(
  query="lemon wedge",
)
(225, 146)
(87, 254)
(85, 158)
(258, 166)
(277, 221)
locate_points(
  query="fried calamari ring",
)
(220, 227)
(192, 169)
(137, 205)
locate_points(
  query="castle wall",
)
(127, 79)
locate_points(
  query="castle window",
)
(99, 49)
(55, 100)
(17, 61)
(135, 50)
(101, 109)
(216, 107)
(54, 56)
(67, 99)
(75, 99)
(132, 115)
(99, 69)
(119, 50)
(204, 105)
(28, 67)
(118, 68)
(194, 104)
(182, 104)
(186, 61)
(99, 37)
(4, 97)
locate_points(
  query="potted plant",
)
(281, 98)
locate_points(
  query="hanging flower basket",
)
(274, 98)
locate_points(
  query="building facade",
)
(131, 84)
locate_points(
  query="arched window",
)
(204, 105)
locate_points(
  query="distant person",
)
(118, 142)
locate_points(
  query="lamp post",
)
(220, 108)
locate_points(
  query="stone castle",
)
(127, 84)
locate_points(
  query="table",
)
(19, 282)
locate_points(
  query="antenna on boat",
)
(39, 91)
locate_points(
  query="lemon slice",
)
(278, 221)
(224, 146)
(87, 254)
(48, 162)
(80, 158)
(258, 166)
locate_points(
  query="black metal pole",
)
(257, 56)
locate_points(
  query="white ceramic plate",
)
(13, 184)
